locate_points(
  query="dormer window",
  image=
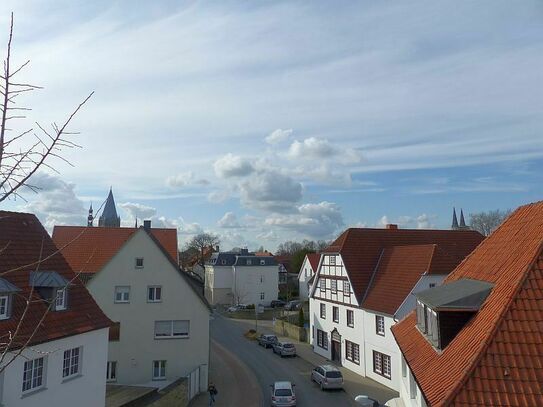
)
(60, 303)
(6, 297)
(249, 262)
(4, 307)
(443, 311)
(52, 287)
(262, 262)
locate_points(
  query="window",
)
(333, 286)
(322, 339)
(261, 296)
(223, 261)
(139, 262)
(335, 314)
(262, 262)
(381, 364)
(380, 325)
(432, 285)
(154, 294)
(4, 307)
(159, 369)
(122, 294)
(404, 367)
(412, 386)
(33, 374)
(111, 371)
(60, 301)
(346, 288)
(332, 260)
(323, 311)
(322, 285)
(249, 262)
(71, 365)
(171, 329)
(350, 318)
(115, 332)
(352, 352)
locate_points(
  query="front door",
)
(336, 346)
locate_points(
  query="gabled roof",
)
(255, 261)
(90, 248)
(313, 259)
(47, 279)
(286, 261)
(24, 243)
(497, 357)
(361, 248)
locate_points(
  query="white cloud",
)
(422, 221)
(277, 136)
(136, 210)
(270, 191)
(313, 148)
(185, 179)
(218, 196)
(232, 165)
(229, 220)
(269, 236)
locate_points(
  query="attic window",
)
(60, 302)
(4, 307)
(139, 262)
(249, 262)
(332, 260)
(6, 297)
(52, 287)
(262, 262)
(223, 261)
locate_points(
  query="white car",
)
(327, 377)
(282, 394)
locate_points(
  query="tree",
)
(21, 158)
(486, 222)
(301, 318)
(200, 243)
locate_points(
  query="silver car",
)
(328, 377)
(282, 394)
(284, 349)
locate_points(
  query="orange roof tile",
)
(88, 249)
(497, 358)
(24, 244)
(361, 248)
(314, 259)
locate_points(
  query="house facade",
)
(476, 340)
(161, 330)
(241, 277)
(365, 280)
(306, 274)
(58, 352)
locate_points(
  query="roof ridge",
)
(488, 340)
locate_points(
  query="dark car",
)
(277, 304)
(293, 305)
(267, 340)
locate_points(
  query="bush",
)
(251, 306)
(301, 318)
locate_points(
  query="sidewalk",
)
(354, 384)
(235, 383)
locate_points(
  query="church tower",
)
(109, 217)
(90, 218)
(454, 225)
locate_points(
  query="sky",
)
(270, 121)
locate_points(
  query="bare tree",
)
(486, 222)
(21, 159)
(201, 243)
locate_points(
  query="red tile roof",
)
(90, 248)
(497, 358)
(23, 242)
(314, 259)
(361, 248)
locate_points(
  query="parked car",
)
(328, 377)
(366, 401)
(284, 349)
(277, 304)
(282, 394)
(293, 305)
(237, 308)
(267, 340)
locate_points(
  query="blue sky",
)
(267, 121)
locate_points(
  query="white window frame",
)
(323, 310)
(352, 352)
(111, 371)
(322, 285)
(153, 289)
(60, 299)
(262, 296)
(346, 288)
(35, 368)
(380, 325)
(350, 323)
(382, 364)
(136, 265)
(71, 365)
(333, 286)
(124, 290)
(262, 262)
(172, 334)
(335, 314)
(5, 300)
(332, 260)
(160, 366)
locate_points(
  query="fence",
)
(197, 381)
(283, 328)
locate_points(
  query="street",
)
(268, 367)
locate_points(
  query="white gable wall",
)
(250, 282)
(137, 348)
(411, 301)
(306, 272)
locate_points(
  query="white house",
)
(58, 355)
(365, 282)
(162, 322)
(476, 340)
(241, 278)
(306, 274)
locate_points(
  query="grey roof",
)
(455, 220)
(464, 294)
(255, 261)
(109, 215)
(47, 279)
(462, 220)
(7, 287)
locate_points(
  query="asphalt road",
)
(269, 367)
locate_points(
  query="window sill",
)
(350, 326)
(159, 338)
(29, 393)
(380, 334)
(159, 379)
(154, 302)
(121, 302)
(70, 378)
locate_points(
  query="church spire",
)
(454, 225)
(462, 221)
(109, 217)
(90, 218)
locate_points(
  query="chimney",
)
(392, 226)
(147, 224)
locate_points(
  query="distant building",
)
(455, 224)
(307, 273)
(288, 277)
(241, 277)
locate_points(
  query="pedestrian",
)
(212, 390)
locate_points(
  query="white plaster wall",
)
(304, 276)
(137, 347)
(86, 390)
(411, 301)
(250, 281)
(418, 401)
